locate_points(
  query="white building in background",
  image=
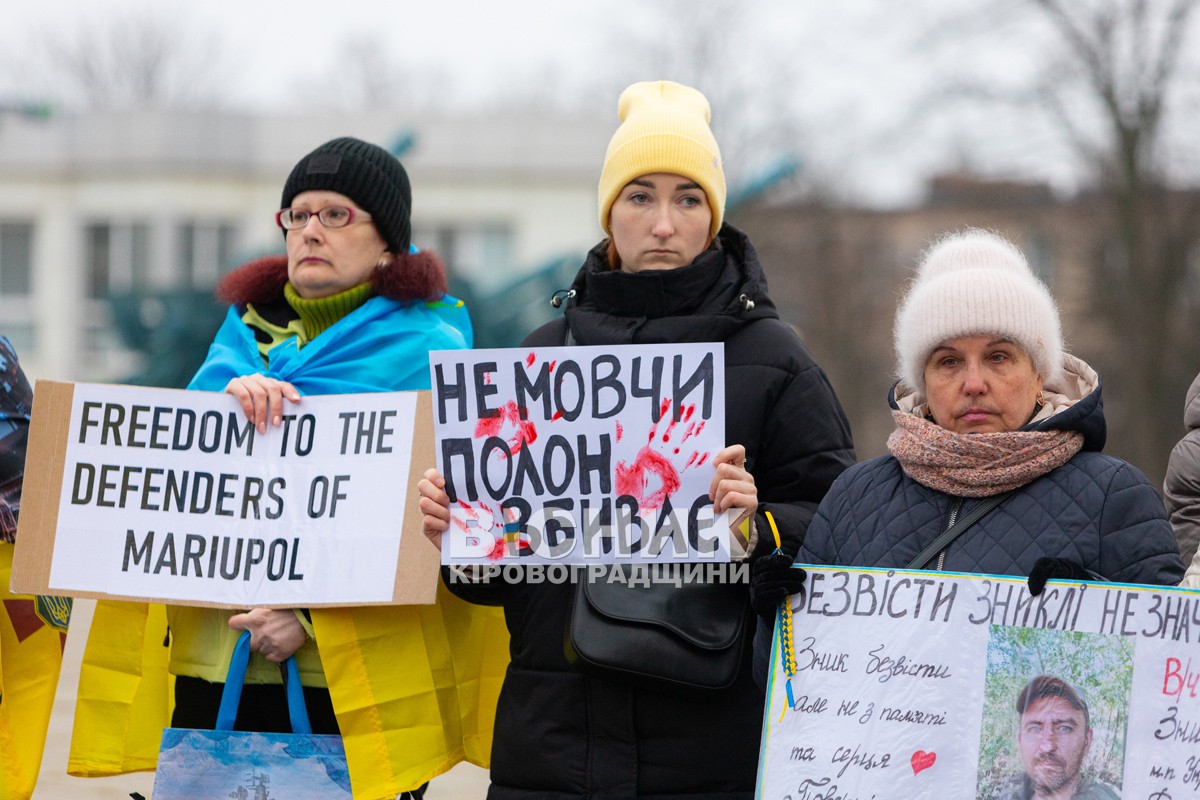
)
(104, 203)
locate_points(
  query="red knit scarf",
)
(978, 464)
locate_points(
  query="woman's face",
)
(981, 384)
(660, 221)
(325, 261)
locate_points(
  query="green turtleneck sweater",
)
(293, 315)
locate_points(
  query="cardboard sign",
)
(574, 455)
(173, 496)
(908, 684)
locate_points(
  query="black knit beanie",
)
(367, 174)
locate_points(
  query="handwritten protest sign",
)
(908, 684)
(159, 494)
(578, 455)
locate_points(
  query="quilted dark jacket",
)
(561, 733)
(1181, 486)
(1096, 510)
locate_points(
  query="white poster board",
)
(574, 455)
(906, 685)
(173, 495)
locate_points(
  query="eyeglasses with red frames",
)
(330, 216)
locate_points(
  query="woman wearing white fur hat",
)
(989, 409)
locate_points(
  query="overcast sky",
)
(854, 84)
(479, 44)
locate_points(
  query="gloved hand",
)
(1063, 569)
(772, 580)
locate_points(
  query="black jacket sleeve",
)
(805, 445)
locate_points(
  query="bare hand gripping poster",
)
(575, 455)
(935, 685)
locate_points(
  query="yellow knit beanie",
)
(664, 128)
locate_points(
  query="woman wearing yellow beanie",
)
(670, 271)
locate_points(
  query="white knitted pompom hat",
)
(975, 283)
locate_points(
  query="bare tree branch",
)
(147, 58)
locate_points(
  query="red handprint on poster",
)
(545, 435)
(654, 473)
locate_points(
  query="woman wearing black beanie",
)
(351, 307)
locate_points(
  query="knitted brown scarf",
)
(979, 464)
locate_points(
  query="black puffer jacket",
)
(1096, 510)
(563, 734)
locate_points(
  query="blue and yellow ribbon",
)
(787, 650)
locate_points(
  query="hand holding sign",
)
(773, 579)
(733, 486)
(434, 505)
(262, 398)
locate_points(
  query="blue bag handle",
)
(231, 695)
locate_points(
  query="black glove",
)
(1056, 569)
(772, 580)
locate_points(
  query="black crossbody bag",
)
(691, 635)
(675, 633)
